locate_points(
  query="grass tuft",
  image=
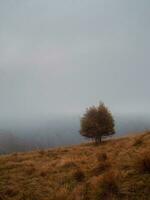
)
(78, 175)
(108, 186)
(102, 157)
(142, 162)
(100, 168)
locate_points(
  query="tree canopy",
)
(97, 122)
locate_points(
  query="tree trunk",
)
(98, 139)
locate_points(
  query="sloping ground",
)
(116, 169)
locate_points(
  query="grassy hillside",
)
(116, 169)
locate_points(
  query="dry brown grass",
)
(101, 156)
(108, 186)
(142, 164)
(101, 167)
(117, 169)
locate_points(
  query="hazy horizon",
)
(58, 58)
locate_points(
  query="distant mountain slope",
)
(9, 142)
(60, 131)
(116, 169)
(131, 123)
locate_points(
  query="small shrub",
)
(108, 186)
(79, 175)
(102, 157)
(142, 163)
(101, 167)
(138, 141)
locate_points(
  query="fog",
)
(59, 57)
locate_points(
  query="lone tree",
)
(97, 122)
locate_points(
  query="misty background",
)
(59, 57)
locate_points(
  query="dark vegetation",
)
(97, 123)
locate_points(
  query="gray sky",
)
(62, 56)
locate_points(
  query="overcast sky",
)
(65, 55)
